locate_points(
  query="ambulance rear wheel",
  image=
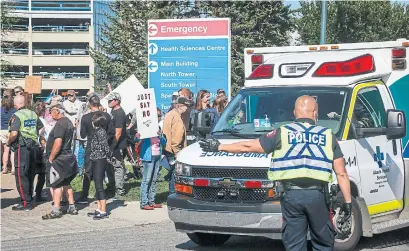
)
(204, 239)
(356, 230)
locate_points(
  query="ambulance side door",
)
(380, 169)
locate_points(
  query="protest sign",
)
(128, 90)
(33, 84)
(146, 115)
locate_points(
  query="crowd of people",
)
(58, 139)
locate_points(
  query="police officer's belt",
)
(289, 186)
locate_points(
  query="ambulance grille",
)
(235, 173)
(243, 195)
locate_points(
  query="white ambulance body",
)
(362, 91)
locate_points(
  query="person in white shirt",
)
(72, 106)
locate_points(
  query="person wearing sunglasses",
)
(221, 92)
(71, 106)
(18, 90)
(118, 144)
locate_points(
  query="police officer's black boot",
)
(21, 207)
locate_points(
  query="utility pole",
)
(323, 21)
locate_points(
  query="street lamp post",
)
(323, 21)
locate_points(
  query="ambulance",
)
(362, 90)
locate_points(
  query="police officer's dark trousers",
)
(25, 172)
(303, 210)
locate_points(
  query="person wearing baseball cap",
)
(72, 105)
(118, 144)
(176, 137)
(61, 167)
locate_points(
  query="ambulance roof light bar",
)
(356, 66)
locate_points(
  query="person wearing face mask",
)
(303, 160)
(203, 104)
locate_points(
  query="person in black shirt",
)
(87, 130)
(118, 143)
(61, 167)
(99, 152)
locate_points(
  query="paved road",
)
(162, 236)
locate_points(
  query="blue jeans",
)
(80, 153)
(150, 176)
(172, 175)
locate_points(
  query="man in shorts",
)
(61, 167)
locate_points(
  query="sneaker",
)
(100, 216)
(72, 211)
(116, 197)
(91, 214)
(156, 205)
(21, 207)
(147, 207)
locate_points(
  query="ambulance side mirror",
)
(396, 124)
(201, 123)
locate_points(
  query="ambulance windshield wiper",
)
(233, 132)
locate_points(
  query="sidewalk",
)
(16, 225)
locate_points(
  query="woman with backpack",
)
(99, 153)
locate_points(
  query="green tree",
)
(253, 24)
(123, 50)
(7, 20)
(354, 21)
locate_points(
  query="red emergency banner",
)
(188, 28)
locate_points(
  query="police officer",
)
(23, 139)
(303, 159)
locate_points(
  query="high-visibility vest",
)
(306, 152)
(28, 123)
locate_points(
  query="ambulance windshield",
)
(258, 111)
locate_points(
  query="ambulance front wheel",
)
(356, 227)
(204, 239)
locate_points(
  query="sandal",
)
(52, 215)
(4, 171)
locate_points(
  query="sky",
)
(294, 4)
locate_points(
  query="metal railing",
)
(18, 5)
(14, 51)
(9, 74)
(15, 27)
(62, 75)
(58, 28)
(60, 52)
(61, 6)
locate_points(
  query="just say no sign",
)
(146, 115)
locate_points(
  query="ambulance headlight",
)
(182, 169)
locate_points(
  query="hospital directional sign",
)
(188, 53)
